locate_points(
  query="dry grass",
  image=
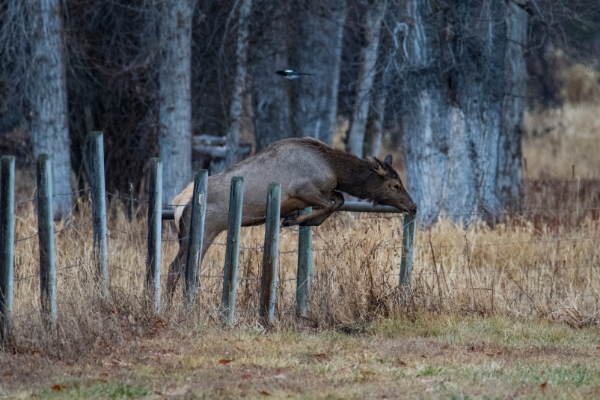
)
(523, 268)
(562, 143)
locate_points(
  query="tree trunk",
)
(508, 180)
(316, 47)
(175, 130)
(377, 118)
(239, 86)
(14, 60)
(358, 121)
(48, 97)
(270, 92)
(452, 105)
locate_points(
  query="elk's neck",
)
(354, 176)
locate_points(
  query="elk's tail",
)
(180, 201)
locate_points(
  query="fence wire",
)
(127, 198)
(360, 216)
(54, 195)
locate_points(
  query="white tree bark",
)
(175, 131)
(239, 86)
(358, 122)
(508, 180)
(379, 100)
(271, 108)
(47, 92)
(452, 106)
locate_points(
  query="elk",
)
(311, 174)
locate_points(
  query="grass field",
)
(430, 356)
(509, 312)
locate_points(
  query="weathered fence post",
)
(7, 239)
(305, 267)
(268, 285)
(232, 252)
(46, 237)
(154, 229)
(99, 209)
(196, 234)
(406, 262)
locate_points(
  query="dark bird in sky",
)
(291, 74)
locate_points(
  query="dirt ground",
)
(430, 357)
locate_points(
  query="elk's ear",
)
(378, 167)
(388, 160)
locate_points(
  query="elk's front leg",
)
(338, 201)
(327, 205)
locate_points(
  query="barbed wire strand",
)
(506, 243)
(25, 278)
(54, 195)
(127, 198)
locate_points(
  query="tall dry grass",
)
(523, 268)
(562, 143)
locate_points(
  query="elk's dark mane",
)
(355, 176)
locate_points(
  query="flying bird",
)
(291, 74)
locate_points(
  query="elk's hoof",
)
(287, 222)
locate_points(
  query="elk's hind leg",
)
(178, 265)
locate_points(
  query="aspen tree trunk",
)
(175, 131)
(316, 47)
(377, 118)
(47, 91)
(452, 101)
(239, 86)
(358, 122)
(270, 92)
(508, 180)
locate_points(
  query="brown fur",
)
(311, 174)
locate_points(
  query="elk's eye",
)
(397, 187)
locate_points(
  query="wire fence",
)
(287, 230)
(426, 249)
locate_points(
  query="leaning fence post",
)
(99, 209)
(305, 267)
(46, 237)
(154, 229)
(408, 241)
(268, 285)
(232, 252)
(193, 261)
(7, 239)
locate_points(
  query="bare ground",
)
(431, 357)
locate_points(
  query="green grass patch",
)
(457, 329)
(93, 390)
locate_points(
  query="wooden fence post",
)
(305, 267)
(46, 237)
(408, 242)
(268, 285)
(232, 252)
(196, 234)
(154, 230)
(99, 209)
(7, 239)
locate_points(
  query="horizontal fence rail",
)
(349, 206)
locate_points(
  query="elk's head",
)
(389, 190)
